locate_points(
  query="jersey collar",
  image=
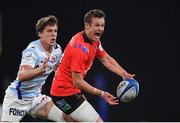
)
(86, 39)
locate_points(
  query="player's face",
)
(48, 35)
(95, 29)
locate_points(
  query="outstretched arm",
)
(113, 66)
(84, 86)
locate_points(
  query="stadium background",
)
(141, 35)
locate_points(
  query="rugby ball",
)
(127, 90)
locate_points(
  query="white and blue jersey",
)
(34, 55)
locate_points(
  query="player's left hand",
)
(127, 75)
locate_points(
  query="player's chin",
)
(97, 38)
(53, 43)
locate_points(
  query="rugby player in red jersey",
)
(76, 61)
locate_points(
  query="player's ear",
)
(86, 25)
(39, 34)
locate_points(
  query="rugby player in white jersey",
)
(41, 57)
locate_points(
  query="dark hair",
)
(93, 13)
(44, 21)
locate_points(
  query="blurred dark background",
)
(141, 35)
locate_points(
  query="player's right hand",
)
(110, 99)
(44, 65)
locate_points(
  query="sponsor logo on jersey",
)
(84, 48)
(17, 112)
(53, 59)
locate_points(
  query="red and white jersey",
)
(78, 56)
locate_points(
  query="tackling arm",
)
(26, 72)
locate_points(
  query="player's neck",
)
(46, 47)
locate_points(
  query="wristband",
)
(94, 91)
(102, 94)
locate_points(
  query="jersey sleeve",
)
(100, 51)
(29, 57)
(78, 60)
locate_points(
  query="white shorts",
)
(14, 109)
(85, 113)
